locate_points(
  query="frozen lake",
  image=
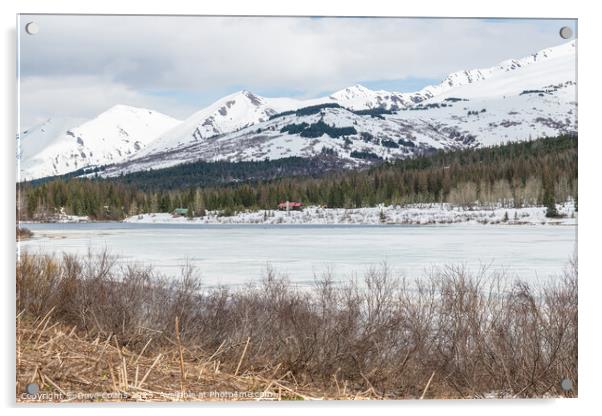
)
(236, 254)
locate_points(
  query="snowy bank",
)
(394, 214)
(60, 217)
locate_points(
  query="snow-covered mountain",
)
(354, 138)
(242, 109)
(547, 67)
(228, 114)
(517, 99)
(59, 146)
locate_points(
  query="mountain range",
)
(517, 99)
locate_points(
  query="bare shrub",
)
(462, 334)
(23, 233)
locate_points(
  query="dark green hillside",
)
(222, 173)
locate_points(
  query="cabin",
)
(290, 205)
(180, 212)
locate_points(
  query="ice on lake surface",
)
(237, 254)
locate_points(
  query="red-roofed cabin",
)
(288, 205)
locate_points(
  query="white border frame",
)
(590, 201)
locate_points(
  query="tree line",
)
(538, 172)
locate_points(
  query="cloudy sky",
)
(79, 66)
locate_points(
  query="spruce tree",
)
(549, 201)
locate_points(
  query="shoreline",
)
(414, 214)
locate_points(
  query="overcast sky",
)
(79, 66)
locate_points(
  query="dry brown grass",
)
(87, 325)
(73, 368)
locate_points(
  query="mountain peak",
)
(353, 91)
(359, 87)
(239, 96)
(118, 107)
(255, 100)
(125, 109)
